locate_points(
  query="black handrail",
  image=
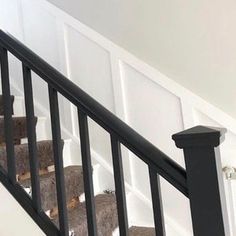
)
(165, 166)
(199, 182)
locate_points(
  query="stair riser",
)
(45, 156)
(73, 185)
(19, 129)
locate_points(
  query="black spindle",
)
(58, 161)
(120, 186)
(87, 173)
(157, 202)
(8, 124)
(31, 133)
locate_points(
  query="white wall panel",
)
(152, 110)
(89, 67)
(40, 32)
(11, 22)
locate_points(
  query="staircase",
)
(34, 173)
(106, 211)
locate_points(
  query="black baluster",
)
(31, 133)
(8, 124)
(58, 161)
(157, 203)
(87, 173)
(120, 186)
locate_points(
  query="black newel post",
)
(199, 145)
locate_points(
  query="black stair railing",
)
(199, 182)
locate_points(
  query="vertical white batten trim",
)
(187, 114)
(118, 91)
(72, 109)
(61, 40)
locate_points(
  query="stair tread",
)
(141, 231)
(106, 214)
(19, 128)
(44, 152)
(73, 185)
(1, 104)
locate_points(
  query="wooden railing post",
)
(199, 145)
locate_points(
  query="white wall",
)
(143, 97)
(193, 42)
(14, 221)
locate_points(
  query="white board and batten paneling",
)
(147, 100)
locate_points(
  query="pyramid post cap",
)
(199, 136)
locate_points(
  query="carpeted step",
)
(73, 184)
(141, 231)
(106, 215)
(44, 151)
(19, 129)
(1, 104)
